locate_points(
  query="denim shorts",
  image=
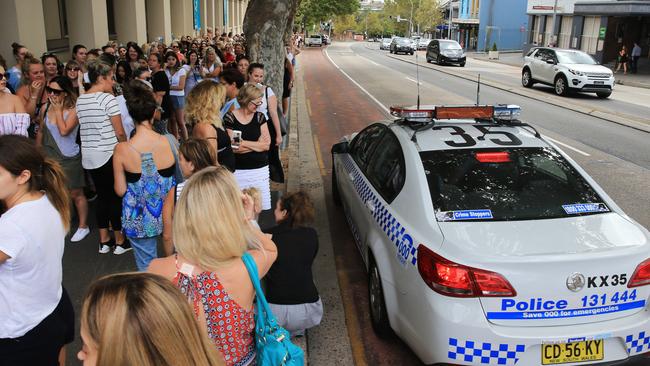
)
(178, 102)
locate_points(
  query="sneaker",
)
(121, 249)
(90, 194)
(106, 247)
(80, 234)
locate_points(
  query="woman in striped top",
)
(194, 155)
(101, 129)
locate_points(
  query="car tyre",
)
(411, 53)
(438, 60)
(527, 79)
(561, 86)
(604, 95)
(336, 196)
(376, 301)
(428, 60)
(462, 64)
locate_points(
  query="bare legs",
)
(81, 204)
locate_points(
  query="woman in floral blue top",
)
(144, 170)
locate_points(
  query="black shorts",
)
(41, 345)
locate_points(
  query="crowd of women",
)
(177, 143)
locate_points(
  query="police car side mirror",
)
(341, 148)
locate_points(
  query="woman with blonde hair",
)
(202, 111)
(211, 64)
(141, 319)
(249, 126)
(210, 257)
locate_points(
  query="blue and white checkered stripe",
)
(394, 230)
(637, 344)
(484, 353)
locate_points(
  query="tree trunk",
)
(265, 27)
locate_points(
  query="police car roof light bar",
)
(465, 112)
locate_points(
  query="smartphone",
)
(236, 139)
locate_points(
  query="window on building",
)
(564, 38)
(590, 30)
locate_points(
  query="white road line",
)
(415, 81)
(383, 107)
(371, 61)
(567, 146)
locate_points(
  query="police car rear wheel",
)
(378, 314)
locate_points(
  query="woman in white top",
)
(269, 101)
(14, 120)
(101, 129)
(58, 137)
(176, 75)
(211, 64)
(38, 318)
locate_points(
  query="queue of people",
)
(177, 145)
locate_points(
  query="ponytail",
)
(18, 153)
(53, 182)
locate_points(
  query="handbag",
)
(272, 342)
(178, 173)
(281, 118)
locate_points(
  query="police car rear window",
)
(506, 184)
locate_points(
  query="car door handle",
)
(370, 206)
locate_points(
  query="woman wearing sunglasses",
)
(58, 137)
(73, 72)
(13, 118)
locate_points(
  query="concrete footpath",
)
(571, 104)
(329, 343)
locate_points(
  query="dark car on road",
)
(445, 51)
(403, 45)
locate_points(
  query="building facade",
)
(598, 27)
(57, 25)
(480, 24)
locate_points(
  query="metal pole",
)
(450, 13)
(411, 21)
(553, 24)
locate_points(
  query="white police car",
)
(487, 245)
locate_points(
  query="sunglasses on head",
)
(53, 91)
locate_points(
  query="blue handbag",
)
(272, 342)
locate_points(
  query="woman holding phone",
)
(250, 135)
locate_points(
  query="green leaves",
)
(313, 12)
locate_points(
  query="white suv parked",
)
(567, 70)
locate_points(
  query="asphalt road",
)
(618, 157)
(368, 81)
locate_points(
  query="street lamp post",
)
(411, 20)
(449, 25)
(553, 24)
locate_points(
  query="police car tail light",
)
(452, 279)
(493, 157)
(641, 275)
